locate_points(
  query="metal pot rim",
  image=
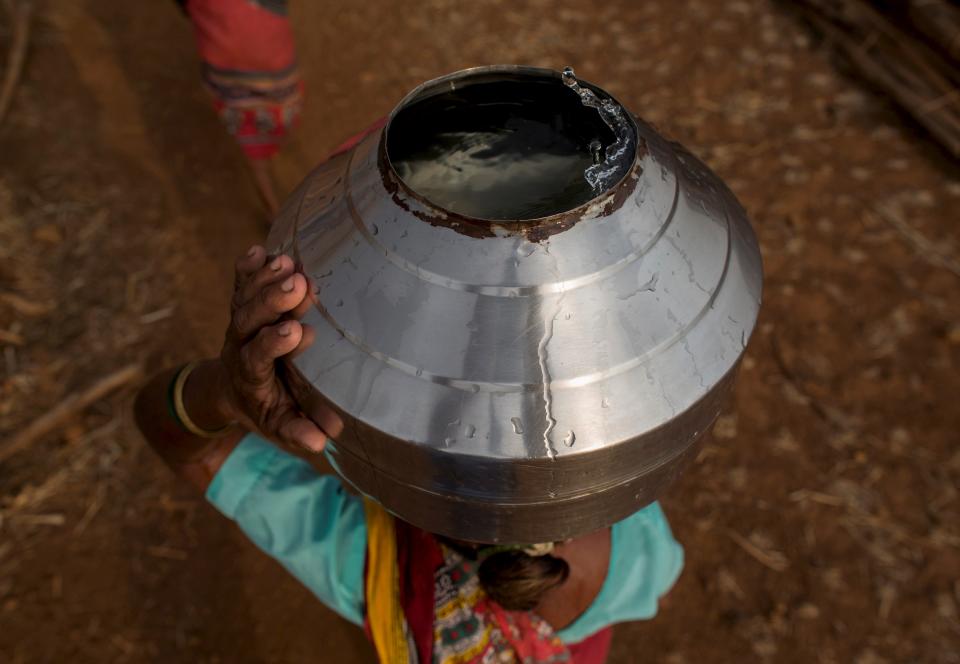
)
(535, 228)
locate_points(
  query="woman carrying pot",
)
(230, 427)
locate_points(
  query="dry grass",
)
(908, 50)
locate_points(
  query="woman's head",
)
(516, 578)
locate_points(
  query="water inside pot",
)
(513, 149)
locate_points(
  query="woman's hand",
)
(269, 298)
(242, 385)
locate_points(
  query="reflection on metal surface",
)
(519, 380)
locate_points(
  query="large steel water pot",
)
(511, 367)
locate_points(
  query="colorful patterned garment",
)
(469, 628)
(250, 68)
(451, 620)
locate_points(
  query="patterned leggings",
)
(250, 68)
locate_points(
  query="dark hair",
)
(517, 581)
(513, 579)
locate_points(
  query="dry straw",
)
(909, 50)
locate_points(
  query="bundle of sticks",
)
(907, 49)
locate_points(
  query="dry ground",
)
(821, 522)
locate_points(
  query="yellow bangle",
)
(181, 412)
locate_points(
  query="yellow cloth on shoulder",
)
(384, 613)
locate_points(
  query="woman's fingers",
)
(269, 304)
(274, 269)
(247, 265)
(307, 335)
(257, 357)
(328, 421)
(310, 300)
(294, 429)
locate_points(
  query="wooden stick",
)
(69, 407)
(906, 51)
(928, 250)
(11, 338)
(939, 22)
(24, 306)
(772, 559)
(18, 52)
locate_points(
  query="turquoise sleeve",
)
(306, 521)
(645, 561)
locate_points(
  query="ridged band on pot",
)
(520, 382)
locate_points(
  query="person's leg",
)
(250, 67)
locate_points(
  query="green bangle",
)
(171, 410)
(179, 413)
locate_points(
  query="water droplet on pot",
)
(570, 438)
(525, 249)
(374, 229)
(517, 425)
(470, 431)
(596, 149)
(605, 402)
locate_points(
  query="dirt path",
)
(820, 523)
